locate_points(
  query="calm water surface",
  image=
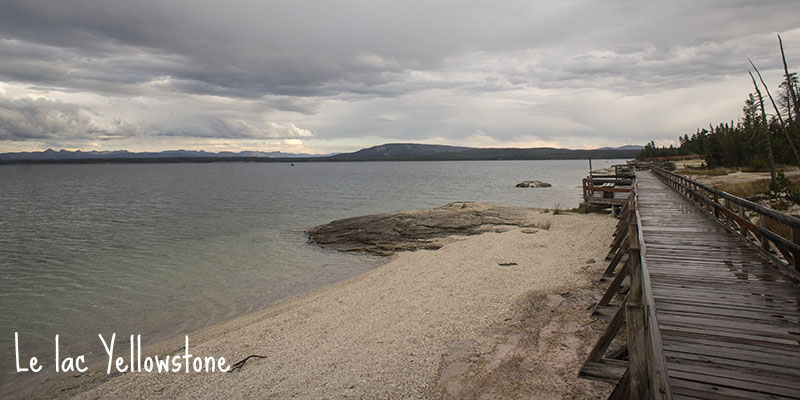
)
(163, 249)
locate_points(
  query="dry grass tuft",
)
(747, 190)
(706, 172)
(777, 227)
(755, 169)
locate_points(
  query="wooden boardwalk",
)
(729, 319)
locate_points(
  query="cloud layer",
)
(343, 75)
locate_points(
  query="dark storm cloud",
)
(272, 59)
(326, 48)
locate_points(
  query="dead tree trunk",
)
(770, 158)
(778, 113)
(792, 92)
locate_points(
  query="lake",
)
(164, 249)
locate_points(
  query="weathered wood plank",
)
(731, 301)
(771, 381)
(726, 343)
(755, 387)
(751, 367)
(675, 349)
(702, 390)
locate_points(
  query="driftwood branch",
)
(770, 158)
(238, 366)
(778, 113)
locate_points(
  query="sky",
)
(335, 76)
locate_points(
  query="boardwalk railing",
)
(607, 184)
(643, 375)
(601, 190)
(775, 233)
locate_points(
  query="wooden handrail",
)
(785, 219)
(646, 373)
(589, 186)
(788, 249)
(651, 370)
(623, 176)
(659, 380)
(609, 189)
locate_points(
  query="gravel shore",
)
(427, 324)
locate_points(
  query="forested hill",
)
(424, 152)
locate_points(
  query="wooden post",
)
(585, 197)
(742, 229)
(636, 330)
(727, 218)
(635, 321)
(762, 222)
(796, 240)
(637, 352)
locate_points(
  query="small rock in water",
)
(533, 184)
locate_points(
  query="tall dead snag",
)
(770, 158)
(792, 92)
(778, 113)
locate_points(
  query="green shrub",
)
(782, 187)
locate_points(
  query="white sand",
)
(384, 334)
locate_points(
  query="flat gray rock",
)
(385, 234)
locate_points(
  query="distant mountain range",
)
(384, 152)
(51, 154)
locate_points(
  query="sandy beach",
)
(446, 323)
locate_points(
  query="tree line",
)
(766, 134)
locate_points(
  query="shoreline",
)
(363, 319)
(174, 345)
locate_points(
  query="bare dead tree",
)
(778, 113)
(792, 92)
(770, 158)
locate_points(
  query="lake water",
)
(164, 249)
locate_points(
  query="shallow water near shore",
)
(164, 249)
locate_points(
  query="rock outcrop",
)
(533, 184)
(385, 234)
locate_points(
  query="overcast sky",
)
(332, 76)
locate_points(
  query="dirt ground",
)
(546, 342)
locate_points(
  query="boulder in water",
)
(533, 184)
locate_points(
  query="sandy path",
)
(389, 333)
